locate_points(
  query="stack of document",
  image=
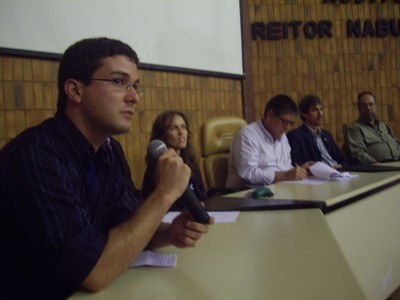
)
(323, 171)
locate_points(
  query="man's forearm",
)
(279, 176)
(126, 241)
(161, 237)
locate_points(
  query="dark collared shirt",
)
(53, 222)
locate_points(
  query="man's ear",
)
(269, 114)
(72, 88)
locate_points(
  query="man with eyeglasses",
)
(310, 142)
(370, 140)
(70, 215)
(260, 152)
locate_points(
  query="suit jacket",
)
(304, 148)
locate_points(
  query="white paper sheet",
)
(322, 170)
(312, 180)
(220, 216)
(154, 259)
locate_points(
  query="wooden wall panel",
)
(336, 68)
(28, 95)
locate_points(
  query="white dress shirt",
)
(255, 157)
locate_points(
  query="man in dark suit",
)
(311, 143)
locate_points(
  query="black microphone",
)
(188, 199)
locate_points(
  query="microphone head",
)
(155, 149)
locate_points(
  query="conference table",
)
(332, 240)
(364, 215)
(288, 254)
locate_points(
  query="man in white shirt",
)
(260, 152)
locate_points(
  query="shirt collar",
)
(316, 132)
(364, 121)
(77, 140)
(266, 133)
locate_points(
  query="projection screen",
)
(195, 35)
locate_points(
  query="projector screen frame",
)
(38, 54)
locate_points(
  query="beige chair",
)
(216, 137)
(346, 149)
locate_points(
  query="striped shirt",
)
(53, 221)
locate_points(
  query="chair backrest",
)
(346, 147)
(345, 141)
(216, 137)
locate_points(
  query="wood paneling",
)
(336, 69)
(28, 95)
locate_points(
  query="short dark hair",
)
(83, 58)
(281, 104)
(362, 94)
(307, 102)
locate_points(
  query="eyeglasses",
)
(123, 84)
(284, 121)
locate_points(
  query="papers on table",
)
(220, 216)
(154, 259)
(323, 171)
(312, 180)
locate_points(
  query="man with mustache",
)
(369, 140)
(310, 142)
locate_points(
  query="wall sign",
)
(324, 28)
